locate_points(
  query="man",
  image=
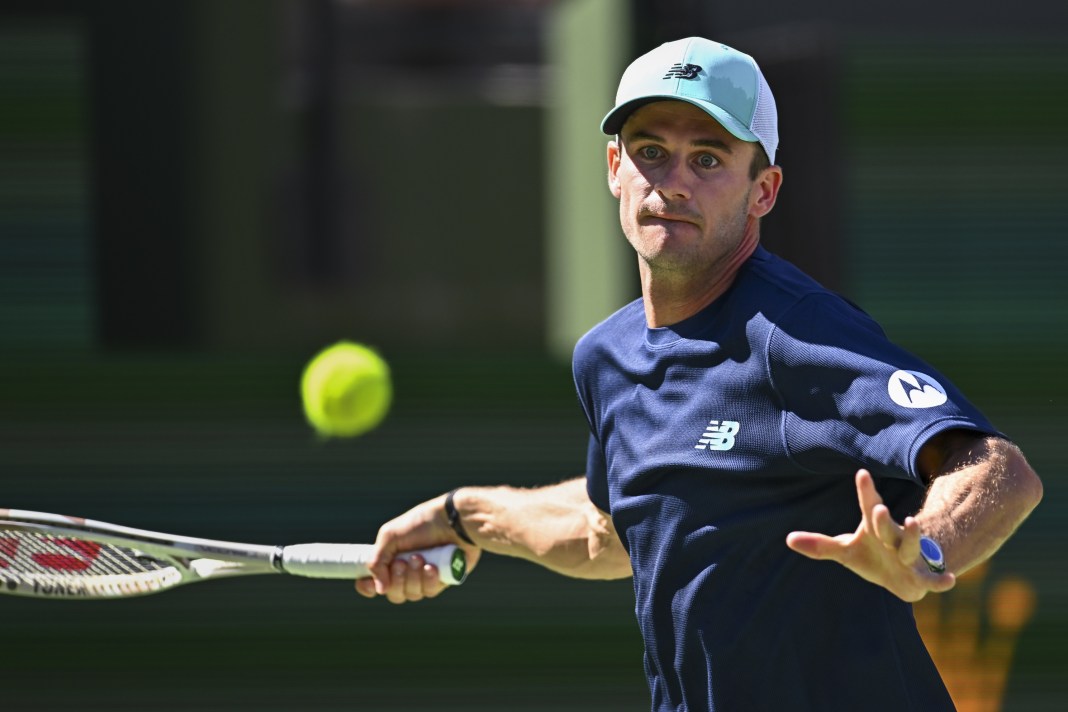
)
(739, 412)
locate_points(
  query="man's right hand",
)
(421, 527)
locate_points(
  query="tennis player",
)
(779, 479)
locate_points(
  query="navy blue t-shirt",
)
(714, 438)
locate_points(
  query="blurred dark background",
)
(196, 196)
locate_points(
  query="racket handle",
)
(349, 561)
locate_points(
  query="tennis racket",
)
(53, 556)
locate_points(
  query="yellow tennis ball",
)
(346, 389)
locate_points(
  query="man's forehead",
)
(676, 116)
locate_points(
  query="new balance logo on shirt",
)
(719, 435)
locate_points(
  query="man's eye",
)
(707, 161)
(649, 152)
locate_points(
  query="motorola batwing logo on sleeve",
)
(912, 389)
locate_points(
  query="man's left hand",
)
(880, 550)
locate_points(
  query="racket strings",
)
(37, 564)
(30, 552)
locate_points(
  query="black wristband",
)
(454, 518)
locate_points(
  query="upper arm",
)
(606, 545)
(608, 557)
(559, 527)
(852, 397)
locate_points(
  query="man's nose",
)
(673, 182)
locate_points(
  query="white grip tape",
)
(349, 561)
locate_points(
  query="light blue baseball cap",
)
(725, 83)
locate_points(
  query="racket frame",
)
(192, 558)
(171, 545)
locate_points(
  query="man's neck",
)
(669, 301)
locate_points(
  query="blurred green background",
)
(197, 196)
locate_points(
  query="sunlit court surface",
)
(196, 198)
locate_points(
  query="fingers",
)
(885, 528)
(366, 587)
(413, 580)
(816, 546)
(385, 550)
(401, 579)
(942, 582)
(909, 555)
(382, 579)
(880, 550)
(409, 580)
(909, 550)
(421, 527)
(869, 499)
(875, 515)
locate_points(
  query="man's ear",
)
(765, 191)
(614, 157)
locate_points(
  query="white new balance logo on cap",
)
(719, 435)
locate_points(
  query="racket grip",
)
(349, 561)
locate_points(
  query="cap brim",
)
(615, 118)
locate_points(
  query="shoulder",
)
(622, 327)
(778, 276)
(788, 299)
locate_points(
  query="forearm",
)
(556, 526)
(985, 492)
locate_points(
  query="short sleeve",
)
(584, 372)
(597, 475)
(851, 398)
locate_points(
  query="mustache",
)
(668, 212)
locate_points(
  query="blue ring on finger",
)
(932, 555)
